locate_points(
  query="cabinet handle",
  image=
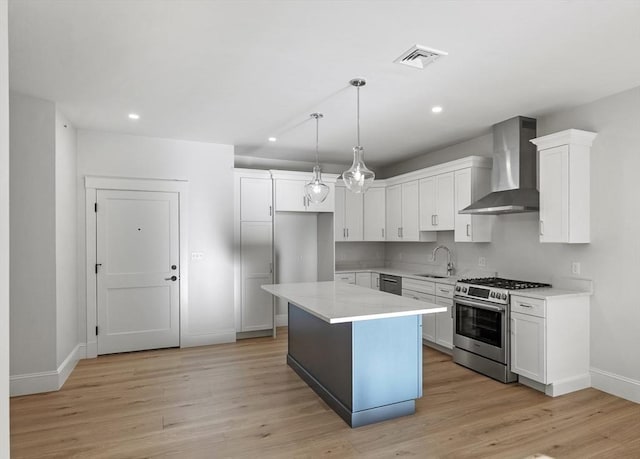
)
(344, 233)
(468, 230)
(444, 290)
(433, 221)
(382, 233)
(437, 220)
(452, 312)
(270, 211)
(271, 268)
(526, 305)
(347, 233)
(399, 232)
(541, 228)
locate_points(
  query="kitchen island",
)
(359, 349)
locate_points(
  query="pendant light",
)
(358, 178)
(316, 190)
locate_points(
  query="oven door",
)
(480, 327)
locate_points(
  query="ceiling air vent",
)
(419, 56)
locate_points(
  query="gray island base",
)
(367, 367)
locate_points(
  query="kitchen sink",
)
(432, 276)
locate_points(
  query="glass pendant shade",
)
(316, 191)
(358, 178)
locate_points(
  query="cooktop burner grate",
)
(507, 284)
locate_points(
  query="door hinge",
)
(95, 207)
(96, 330)
(98, 264)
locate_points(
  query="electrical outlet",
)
(482, 261)
(197, 255)
(575, 267)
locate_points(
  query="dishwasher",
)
(391, 284)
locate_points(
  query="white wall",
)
(66, 224)
(33, 264)
(4, 234)
(611, 259)
(209, 170)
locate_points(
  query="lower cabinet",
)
(550, 342)
(436, 328)
(349, 278)
(363, 279)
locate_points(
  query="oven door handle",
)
(474, 304)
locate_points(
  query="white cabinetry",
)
(347, 278)
(348, 215)
(374, 214)
(550, 342)
(375, 281)
(470, 185)
(254, 255)
(363, 279)
(436, 328)
(403, 213)
(290, 197)
(437, 202)
(564, 159)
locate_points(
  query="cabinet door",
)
(375, 281)
(256, 270)
(462, 222)
(554, 194)
(445, 202)
(394, 212)
(444, 323)
(338, 217)
(374, 214)
(353, 216)
(429, 324)
(410, 212)
(255, 199)
(290, 196)
(328, 205)
(363, 279)
(528, 346)
(428, 209)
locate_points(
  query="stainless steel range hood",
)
(513, 177)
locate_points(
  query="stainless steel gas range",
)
(481, 325)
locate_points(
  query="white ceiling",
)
(237, 72)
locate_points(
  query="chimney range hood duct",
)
(513, 176)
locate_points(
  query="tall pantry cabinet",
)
(253, 250)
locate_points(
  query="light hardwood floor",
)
(242, 400)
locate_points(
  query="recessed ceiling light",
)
(272, 139)
(436, 109)
(134, 116)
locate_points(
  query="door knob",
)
(172, 278)
(174, 267)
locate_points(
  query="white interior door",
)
(138, 272)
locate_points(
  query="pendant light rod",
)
(357, 82)
(317, 116)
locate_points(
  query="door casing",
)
(92, 184)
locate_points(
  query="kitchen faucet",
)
(450, 268)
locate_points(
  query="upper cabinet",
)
(255, 199)
(437, 203)
(564, 185)
(349, 215)
(471, 184)
(403, 220)
(374, 214)
(289, 192)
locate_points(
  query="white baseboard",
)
(282, 320)
(568, 385)
(224, 336)
(614, 384)
(46, 381)
(91, 350)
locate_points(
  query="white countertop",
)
(451, 280)
(547, 293)
(338, 302)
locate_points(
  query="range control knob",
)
(493, 294)
(458, 288)
(504, 296)
(464, 289)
